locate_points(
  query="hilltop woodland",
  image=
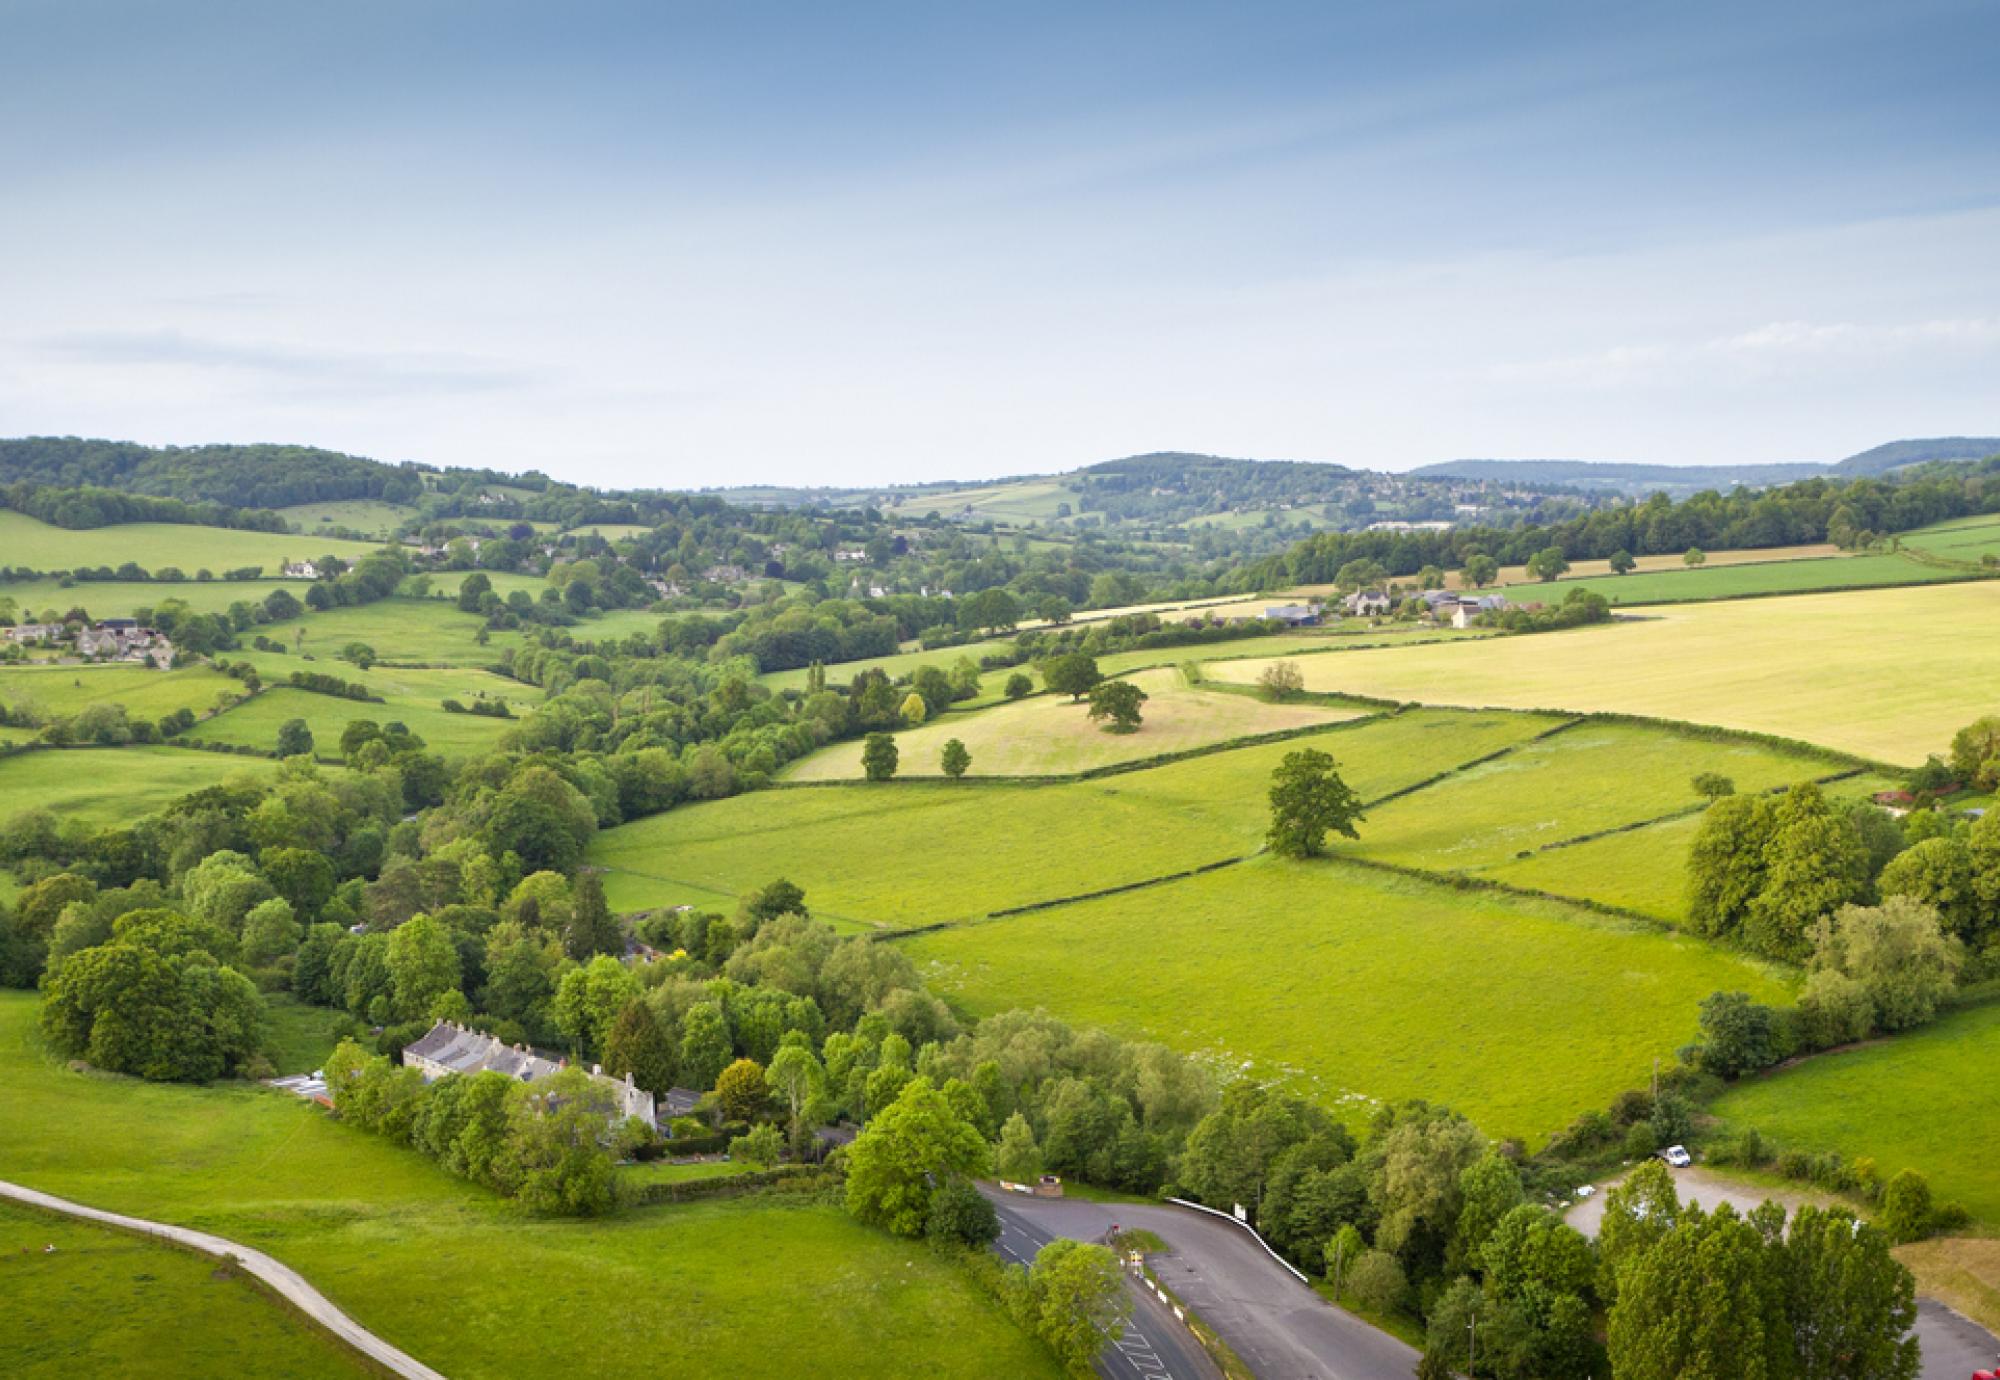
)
(373, 876)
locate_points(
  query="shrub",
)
(1378, 1282)
(1907, 1213)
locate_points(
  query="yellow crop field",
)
(1890, 674)
(1051, 735)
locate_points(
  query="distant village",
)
(113, 639)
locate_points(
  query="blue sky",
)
(703, 244)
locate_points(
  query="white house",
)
(301, 570)
(452, 1048)
(1367, 603)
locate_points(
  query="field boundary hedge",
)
(1960, 575)
(1032, 906)
(1698, 807)
(1450, 772)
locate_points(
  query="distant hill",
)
(1896, 454)
(1621, 475)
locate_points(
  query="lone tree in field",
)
(1307, 799)
(879, 756)
(1281, 680)
(1118, 701)
(1019, 686)
(1621, 562)
(1695, 556)
(1481, 570)
(954, 759)
(295, 739)
(1072, 674)
(1548, 564)
(1713, 785)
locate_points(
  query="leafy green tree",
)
(269, 933)
(1282, 681)
(914, 711)
(1481, 570)
(1738, 1035)
(1938, 873)
(1695, 556)
(1548, 564)
(1637, 1214)
(1019, 686)
(1378, 1282)
(1813, 865)
(879, 756)
(1621, 562)
(741, 1092)
(915, 1142)
(1018, 1159)
(555, 1159)
(1118, 701)
(1699, 1304)
(762, 1145)
(1897, 953)
(1308, 799)
(1975, 753)
(1907, 1212)
(1851, 1303)
(954, 759)
(302, 877)
(797, 1079)
(1071, 674)
(1079, 1301)
(637, 1045)
(1713, 785)
(705, 1045)
(295, 738)
(592, 929)
(522, 969)
(1489, 1190)
(423, 966)
(961, 1215)
(589, 999)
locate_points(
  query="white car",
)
(1677, 1157)
(1586, 1190)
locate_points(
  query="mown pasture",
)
(100, 786)
(1963, 539)
(918, 853)
(1356, 985)
(1586, 779)
(417, 632)
(442, 1269)
(125, 598)
(1677, 560)
(146, 692)
(1889, 674)
(255, 723)
(1745, 579)
(1925, 1100)
(1053, 735)
(367, 515)
(152, 1310)
(150, 545)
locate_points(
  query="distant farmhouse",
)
(115, 639)
(452, 1048)
(301, 570)
(1367, 603)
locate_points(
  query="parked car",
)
(1677, 1157)
(1586, 1190)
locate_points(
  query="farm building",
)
(1367, 603)
(452, 1048)
(1297, 615)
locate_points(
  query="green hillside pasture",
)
(1745, 579)
(444, 1270)
(256, 721)
(1967, 539)
(370, 515)
(101, 786)
(611, 531)
(1890, 674)
(1580, 781)
(59, 691)
(39, 546)
(124, 598)
(1355, 986)
(1050, 735)
(1923, 1100)
(617, 625)
(422, 632)
(902, 855)
(1643, 870)
(105, 1302)
(1667, 562)
(1028, 501)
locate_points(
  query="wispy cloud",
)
(289, 368)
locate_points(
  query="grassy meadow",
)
(901, 855)
(1924, 1100)
(1052, 735)
(1593, 777)
(1357, 985)
(412, 695)
(153, 1310)
(1964, 539)
(124, 598)
(100, 786)
(1744, 579)
(369, 515)
(151, 545)
(444, 1270)
(1889, 674)
(146, 693)
(418, 632)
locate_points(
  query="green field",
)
(60, 691)
(902, 855)
(100, 786)
(1357, 985)
(1748, 578)
(1581, 781)
(410, 695)
(369, 515)
(1051, 735)
(1890, 674)
(123, 598)
(1643, 870)
(611, 531)
(152, 545)
(1924, 1100)
(421, 632)
(459, 1279)
(617, 624)
(151, 1310)
(1966, 539)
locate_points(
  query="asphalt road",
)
(1953, 1345)
(285, 1281)
(1156, 1345)
(1281, 1328)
